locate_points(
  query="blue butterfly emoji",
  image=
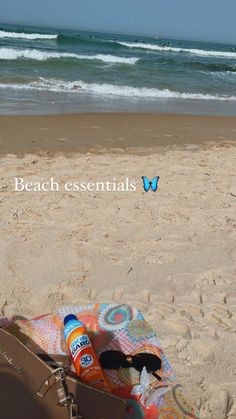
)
(153, 184)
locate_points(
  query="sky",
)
(203, 20)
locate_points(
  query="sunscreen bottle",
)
(82, 353)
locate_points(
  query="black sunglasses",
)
(115, 360)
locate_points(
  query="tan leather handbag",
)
(31, 388)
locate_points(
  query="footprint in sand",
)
(177, 327)
(113, 259)
(191, 313)
(217, 320)
(223, 312)
(93, 294)
(166, 309)
(223, 404)
(118, 294)
(160, 259)
(233, 191)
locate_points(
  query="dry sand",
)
(171, 253)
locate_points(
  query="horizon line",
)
(114, 33)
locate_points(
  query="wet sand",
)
(105, 132)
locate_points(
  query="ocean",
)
(57, 71)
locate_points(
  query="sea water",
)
(57, 71)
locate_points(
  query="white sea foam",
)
(199, 52)
(111, 90)
(18, 35)
(112, 59)
(35, 54)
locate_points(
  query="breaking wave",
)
(199, 52)
(22, 35)
(34, 54)
(111, 90)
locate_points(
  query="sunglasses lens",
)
(112, 360)
(150, 361)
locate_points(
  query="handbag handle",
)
(57, 378)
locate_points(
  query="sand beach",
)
(171, 253)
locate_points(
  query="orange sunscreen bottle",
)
(82, 353)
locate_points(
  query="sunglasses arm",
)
(156, 376)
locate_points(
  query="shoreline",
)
(101, 132)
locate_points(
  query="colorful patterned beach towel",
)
(113, 327)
